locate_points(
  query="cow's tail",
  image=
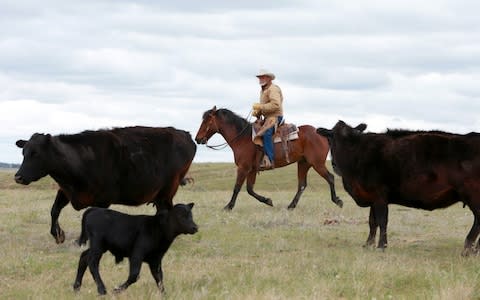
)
(83, 238)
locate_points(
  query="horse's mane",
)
(241, 125)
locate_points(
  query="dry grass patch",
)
(253, 252)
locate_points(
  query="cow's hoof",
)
(60, 236)
(228, 207)
(369, 244)
(102, 291)
(291, 207)
(382, 248)
(118, 290)
(76, 286)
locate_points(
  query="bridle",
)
(224, 145)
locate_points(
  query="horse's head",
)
(208, 127)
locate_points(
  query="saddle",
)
(283, 133)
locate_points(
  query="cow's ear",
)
(325, 132)
(190, 205)
(21, 143)
(361, 127)
(46, 140)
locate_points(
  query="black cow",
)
(426, 170)
(129, 166)
(140, 238)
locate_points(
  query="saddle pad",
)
(291, 136)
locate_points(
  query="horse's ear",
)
(213, 111)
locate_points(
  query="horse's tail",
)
(186, 180)
(82, 240)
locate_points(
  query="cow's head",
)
(35, 158)
(181, 215)
(208, 127)
(340, 132)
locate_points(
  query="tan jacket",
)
(272, 101)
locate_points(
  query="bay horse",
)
(309, 150)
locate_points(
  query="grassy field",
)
(253, 252)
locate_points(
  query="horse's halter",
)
(224, 145)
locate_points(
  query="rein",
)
(224, 145)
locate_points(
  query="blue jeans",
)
(268, 140)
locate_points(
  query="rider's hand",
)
(257, 106)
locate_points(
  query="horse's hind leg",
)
(250, 183)
(322, 170)
(302, 170)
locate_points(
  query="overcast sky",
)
(68, 66)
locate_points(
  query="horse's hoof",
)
(268, 202)
(339, 202)
(228, 208)
(469, 251)
(291, 207)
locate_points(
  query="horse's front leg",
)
(250, 183)
(302, 170)
(61, 201)
(241, 175)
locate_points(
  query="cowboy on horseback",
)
(271, 109)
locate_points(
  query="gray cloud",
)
(68, 67)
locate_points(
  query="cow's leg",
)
(164, 198)
(61, 201)
(250, 183)
(135, 266)
(241, 175)
(373, 229)
(157, 273)
(323, 171)
(381, 217)
(82, 266)
(93, 262)
(473, 234)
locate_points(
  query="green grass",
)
(253, 252)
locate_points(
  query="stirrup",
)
(266, 164)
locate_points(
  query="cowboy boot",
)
(266, 164)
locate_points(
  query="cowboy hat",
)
(264, 72)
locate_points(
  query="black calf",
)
(140, 238)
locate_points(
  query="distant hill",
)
(9, 165)
(209, 177)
